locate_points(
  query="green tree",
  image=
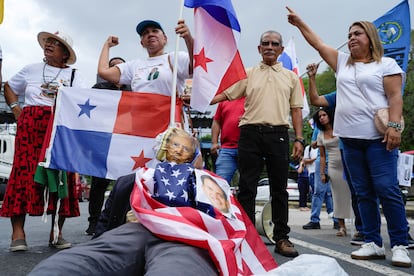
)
(407, 137)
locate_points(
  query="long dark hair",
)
(329, 112)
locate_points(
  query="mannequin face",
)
(180, 149)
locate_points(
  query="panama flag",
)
(217, 62)
(290, 61)
(105, 133)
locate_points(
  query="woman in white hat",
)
(37, 84)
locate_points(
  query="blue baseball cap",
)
(147, 23)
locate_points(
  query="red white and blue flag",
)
(105, 133)
(217, 62)
(233, 244)
(290, 61)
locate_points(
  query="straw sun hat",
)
(62, 38)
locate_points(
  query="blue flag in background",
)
(394, 29)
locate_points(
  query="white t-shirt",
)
(310, 153)
(354, 114)
(154, 74)
(28, 82)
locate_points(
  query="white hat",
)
(62, 38)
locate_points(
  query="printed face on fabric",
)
(215, 194)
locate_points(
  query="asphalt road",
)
(316, 242)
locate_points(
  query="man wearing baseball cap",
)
(154, 73)
(148, 23)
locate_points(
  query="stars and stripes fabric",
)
(175, 184)
(290, 61)
(233, 243)
(105, 133)
(217, 61)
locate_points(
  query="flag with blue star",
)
(105, 133)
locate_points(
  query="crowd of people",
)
(348, 164)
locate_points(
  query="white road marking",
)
(347, 257)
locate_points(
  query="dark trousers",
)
(96, 198)
(129, 249)
(303, 186)
(260, 145)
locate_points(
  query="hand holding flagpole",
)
(320, 61)
(175, 66)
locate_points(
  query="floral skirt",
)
(23, 195)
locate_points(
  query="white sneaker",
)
(400, 256)
(369, 251)
(330, 215)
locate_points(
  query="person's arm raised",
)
(111, 74)
(328, 53)
(314, 97)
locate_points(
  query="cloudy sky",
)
(90, 22)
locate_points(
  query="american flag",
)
(233, 244)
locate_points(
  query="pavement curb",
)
(409, 207)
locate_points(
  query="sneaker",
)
(18, 245)
(60, 244)
(330, 215)
(410, 242)
(285, 248)
(369, 251)
(400, 256)
(91, 230)
(311, 225)
(357, 239)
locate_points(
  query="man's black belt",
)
(265, 128)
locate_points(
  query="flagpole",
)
(174, 83)
(320, 61)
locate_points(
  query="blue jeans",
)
(226, 163)
(373, 172)
(312, 182)
(322, 192)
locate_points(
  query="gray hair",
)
(271, 32)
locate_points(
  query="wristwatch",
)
(395, 125)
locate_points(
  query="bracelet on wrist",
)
(395, 125)
(13, 105)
